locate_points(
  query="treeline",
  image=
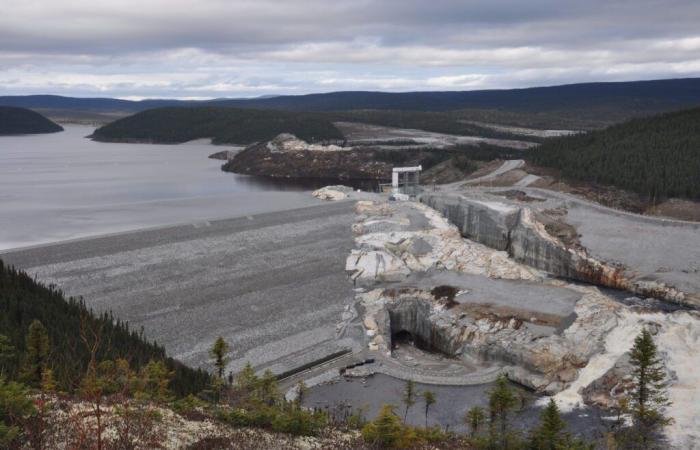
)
(24, 121)
(244, 126)
(222, 125)
(24, 301)
(657, 157)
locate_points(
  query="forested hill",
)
(223, 125)
(605, 102)
(24, 121)
(657, 156)
(23, 300)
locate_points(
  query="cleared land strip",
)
(271, 284)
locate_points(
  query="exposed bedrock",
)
(546, 242)
(288, 157)
(544, 363)
(413, 315)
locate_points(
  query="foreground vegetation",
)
(657, 157)
(24, 121)
(120, 392)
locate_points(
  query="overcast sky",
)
(235, 48)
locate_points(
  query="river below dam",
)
(61, 186)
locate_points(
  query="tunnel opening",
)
(405, 337)
(410, 324)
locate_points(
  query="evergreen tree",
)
(219, 352)
(386, 430)
(502, 400)
(409, 397)
(15, 407)
(268, 392)
(7, 354)
(36, 354)
(474, 419)
(430, 400)
(648, 400)
(549, 435)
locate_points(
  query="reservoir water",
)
(63, 186)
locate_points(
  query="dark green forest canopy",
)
(23, 300)
(244, 126)
(24, 121)
(223, 125)
(657, 156)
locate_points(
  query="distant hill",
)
(656, 156)
(633, 96)
(24, 121)
(602, 102)
(223, 125)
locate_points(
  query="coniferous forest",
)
(23, 300)
(24, 121)
(656, 156)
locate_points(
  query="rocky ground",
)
(72, 424)
(505, 312)
(288, 157)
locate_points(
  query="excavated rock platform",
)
(575, 239)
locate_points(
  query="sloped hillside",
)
(657, 156)
(24, 121)
(222, 125)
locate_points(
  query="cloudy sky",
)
(241, 48)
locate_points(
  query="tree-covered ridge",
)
(656, 156)
(23, 300)
(24, 121)
(223, 125)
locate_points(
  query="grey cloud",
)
(203, 48)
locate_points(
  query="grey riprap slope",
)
(273, 285)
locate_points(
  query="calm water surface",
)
(63, 186)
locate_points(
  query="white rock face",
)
(286, 142)
(390, 248)
(678, 340)
(395, 240)
(332, 193)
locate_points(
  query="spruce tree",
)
(409, 397)
(385, 431)
(7, 354)
(36, 357)
(648, 400)
(219, 352)
(549, 435)
(502, 400)
(430, 400)
(475, 418)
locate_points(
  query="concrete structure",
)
(405, 180)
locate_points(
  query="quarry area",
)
(471, 281)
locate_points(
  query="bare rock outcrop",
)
(332, 193)
(542, 239)
(395, 239)
(546, 364)
(289, 157)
